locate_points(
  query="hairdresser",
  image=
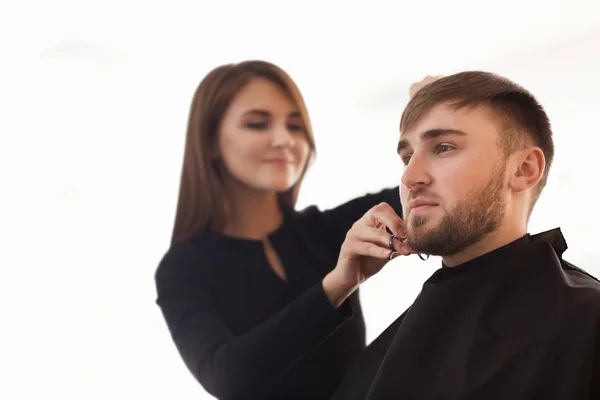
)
(248, 287)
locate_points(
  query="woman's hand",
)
(365, 251)
(415, 87)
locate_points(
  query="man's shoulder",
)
(582, 285)
(580, 277)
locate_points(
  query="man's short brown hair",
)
(522, 120)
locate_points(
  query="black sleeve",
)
(339, 220)
(595, 390)
(229, 366)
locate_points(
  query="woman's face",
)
(262, 141)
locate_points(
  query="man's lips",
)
(421, 203)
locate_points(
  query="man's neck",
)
(490, 242)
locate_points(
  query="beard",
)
(479, 214)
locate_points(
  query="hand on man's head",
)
(415, 87)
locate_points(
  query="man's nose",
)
(415, 172)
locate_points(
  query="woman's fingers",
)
(383, 215)
(369, 236)
(379, 238)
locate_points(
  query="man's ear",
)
(530, 165)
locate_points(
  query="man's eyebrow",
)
(430, 134)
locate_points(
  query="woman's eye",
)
(296, 128)
(256, 125)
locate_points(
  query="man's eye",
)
(442, 148)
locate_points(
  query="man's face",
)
(453, 186)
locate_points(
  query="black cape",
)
(516, 323)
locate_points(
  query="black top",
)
(245, 333)
(517, 323)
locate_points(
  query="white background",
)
(94, 97)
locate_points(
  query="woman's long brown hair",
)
(201, 203)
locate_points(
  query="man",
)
(505, 317)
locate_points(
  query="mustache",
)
(413, 194)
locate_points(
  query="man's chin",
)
(421, 236)
(419, 224)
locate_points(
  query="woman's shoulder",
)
(186, 258)
(306, 219)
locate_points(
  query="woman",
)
(248, 288)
